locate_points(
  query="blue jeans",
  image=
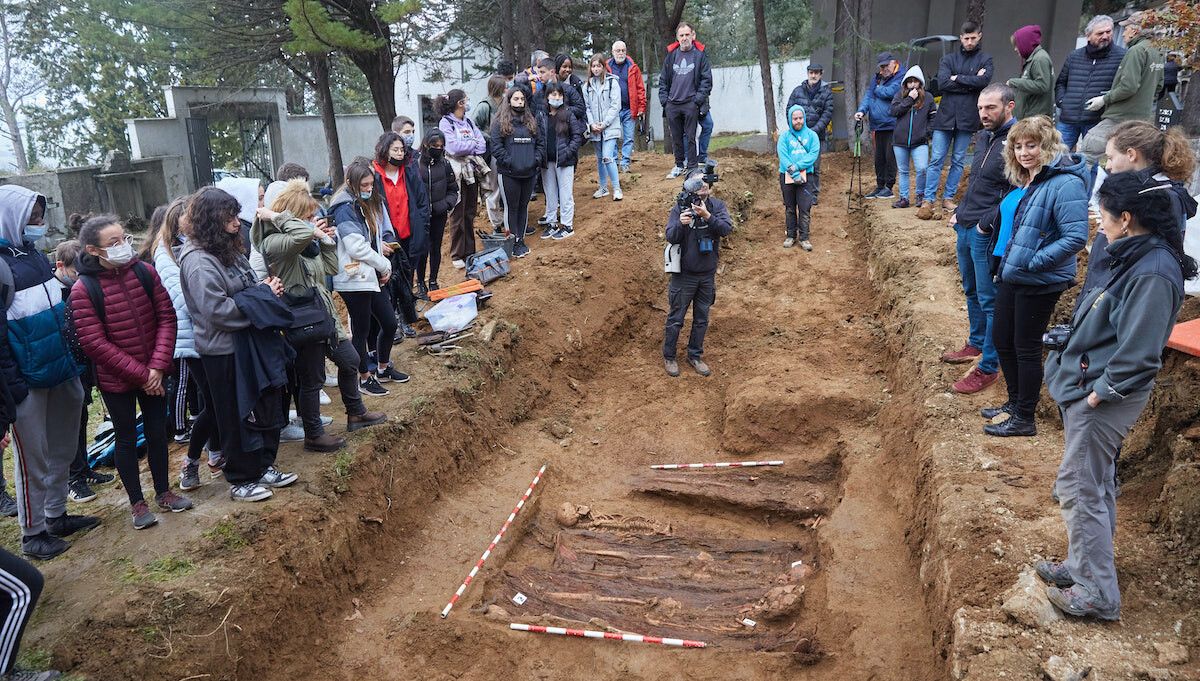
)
(627, 131)
(706, 128)
(606, 163)
(920, 159)
(941, 144)
(1073, 132)
(985, 298)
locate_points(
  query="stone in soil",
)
(1026, 602)
(1058, 669)
(1172, 653)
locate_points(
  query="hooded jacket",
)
(522, 153)
(818, 105)
(418, 206)
(571, 95)
(245, 190)
(283, 242)
(1050, 227)
(565, 143)
(959, 108)
(1120, 331)
(38, 354)
(603, 107)
(877, 103)
(797, 149)
(208, 288)
(695, 71)
(1138, 78)
(1087, 73)
(633, 87)
(137, 334)
(1035, 87)
(912, 124)
(987, 184)
(168, 272)
(463, 138)
(360, 255)
(440, 184)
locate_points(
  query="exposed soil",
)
(879, 549)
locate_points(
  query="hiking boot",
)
(458, 264)
(1015, 426)
(1076, 601)
(925, 212)
(48, 675)
(324, 443)
(1054, 573)
(563, 232)
(371, 387)
(948, 205)
(390, 375)
(990, 413)
(675, 172)
(968, 353)
(170, 501)
(251, 491)
(364, 420)
(79, 491)
(8, 505)
(292, 432)
(900, 203)
(548, 231)
(189, 477)
(66, 524)
(672, 367)
(520, 250)
(806, 245)
(97, 478)
(974, 381)
(700, 367)
(789, 242)
(422, 291)
(43, 546)
(617, 195)
(600, 193)
(277, 478)
(143, 517)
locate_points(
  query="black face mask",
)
(395, 162)
(518, 110)
(437, 154)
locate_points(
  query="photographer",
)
(1101, 375)
(697, 230)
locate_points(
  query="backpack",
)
(95, 293)
(488, 266)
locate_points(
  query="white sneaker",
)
(292, 432)
(617, 195)
(675, 172)
(325, 398)
(806, 245)
(251, 491)
(600, 193)
(459, 264)
(330, 380)
(789, 242)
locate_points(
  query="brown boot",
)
(364, 420)
(948, 205)
(925, 212)
(324, 443)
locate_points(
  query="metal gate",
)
(255, 134)
(200, 149)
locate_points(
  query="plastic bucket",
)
(494, 240)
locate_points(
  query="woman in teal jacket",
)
(798, 150)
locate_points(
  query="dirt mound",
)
(773, 410)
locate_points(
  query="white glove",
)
(1094, 104)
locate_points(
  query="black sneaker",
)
(97, 478)
(371, 387)
(433, 285)
(1015, 426)
(43, 546)
(422, 291)
(564, 232)
(79, 491)
(390, 375)
(184, 437)
(549, 230)
(8, 505)
(874, 194)
(530, 230)
(520, 250)
(66, 524)
(990, 413)
(544, 220)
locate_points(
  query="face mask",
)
(68, 281)
(437, 154)
(119, 254)
(518, 110)
(466, 108)
(555, 103)
(365, 196)
(408, 139)
(396, 162)
(34, 232)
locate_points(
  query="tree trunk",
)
(537, 32)
(381, 79)
(14, 134)
(764, 66)
(319, 63)
(508, 43)
(976, 11)
(661, 31)
(852, 52)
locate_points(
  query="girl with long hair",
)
(442, 188)
(493, 190)
(465, 146)
(602, 95)
(519, 147)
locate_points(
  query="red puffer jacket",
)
(138, 333)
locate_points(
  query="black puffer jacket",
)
(1088, 72)
(817, 103)
(439, 181)
(987, 185)
(522, 153)
(567, 137)
(960, 97)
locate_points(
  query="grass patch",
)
(420, 404)
(159, 570)
(720, 142)
(227, 535)
(343, 464)
(34, 659)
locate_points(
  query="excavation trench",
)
(818, 552)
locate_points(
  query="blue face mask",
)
(466, 108)
(408, 139)
(34, 232)
(554, 103)
(365, 196)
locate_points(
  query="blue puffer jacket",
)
(877, 104)
(1050, 226)
(1088, 72)
(168, 271)
(38, 355)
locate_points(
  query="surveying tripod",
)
(854, 200)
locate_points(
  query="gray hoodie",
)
(208, 289)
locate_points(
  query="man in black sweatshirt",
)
(683, 87)
(697, 231)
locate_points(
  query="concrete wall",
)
(304, 141)
(737, 99)
(45, 184)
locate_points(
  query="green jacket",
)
(1138, 77)
(1035, 87)
(282, 242)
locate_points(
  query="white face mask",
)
(120, 254)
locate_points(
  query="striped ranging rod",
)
(724, 464)
(588, 633)
(496, 540)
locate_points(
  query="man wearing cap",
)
(816, 97)
(1131, 97)
(961, 75)
(876, 107)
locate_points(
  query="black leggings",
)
(885, 159)
(437, 231)
(204, 426)
(362, 307)
(517, 191)
(20, 587)
(123, 409)
(797, 207)
(1019, 319)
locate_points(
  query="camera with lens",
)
(691, 186)
(1057, 337)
